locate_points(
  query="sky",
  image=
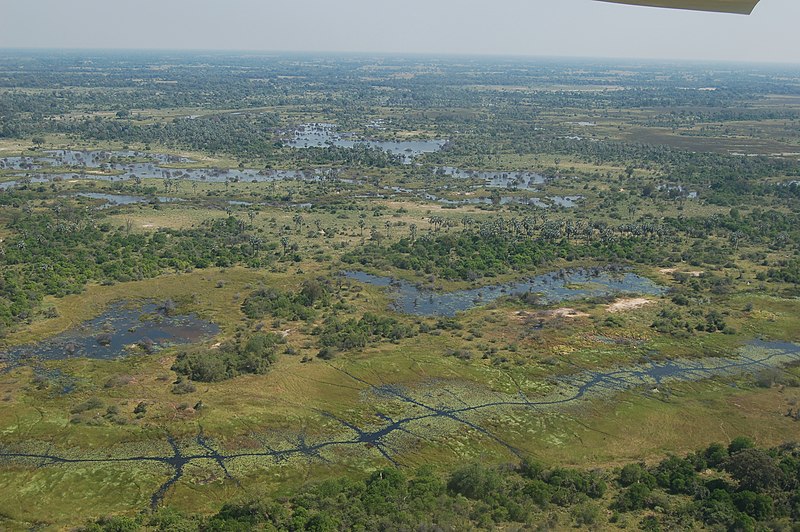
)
(551, 28)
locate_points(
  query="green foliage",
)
(755, 470)
(92, 404)
(478, 496)
(787, 272)
(255, 356)
(740, 443)
(572, 485)
(585, 514)
(352, 333)
(715, 454)
(677, 475)
(115, 524)
(634, 498)
(636, 474)
(475, 482)
(278, 304)
(756, 505)
(239, 135)
(495, 248)
(59, 256)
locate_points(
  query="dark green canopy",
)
(745, 7)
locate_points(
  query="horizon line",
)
(439, 55)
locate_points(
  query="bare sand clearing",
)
(667, 271)
(621, 305)
(564, 312)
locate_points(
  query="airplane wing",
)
(743, 7)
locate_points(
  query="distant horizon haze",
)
(557, 29)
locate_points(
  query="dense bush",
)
(500, 245)
(50, 255)
(278, 304)
(761, 491)
(353, 333)
(255, 355)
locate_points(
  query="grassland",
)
(96, 437)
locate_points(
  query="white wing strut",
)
(743, 7)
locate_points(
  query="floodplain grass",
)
(638, 425)
(498, 351)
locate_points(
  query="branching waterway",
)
(405, 416)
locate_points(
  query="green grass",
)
(508, 354)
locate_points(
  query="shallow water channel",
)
(404, 417)
(550, 287)
(324, 135)
(111, 335)
(114, 166)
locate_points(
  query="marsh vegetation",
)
(333, 289)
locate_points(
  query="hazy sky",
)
(506, 27)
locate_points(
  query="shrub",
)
(254, 355)
(740, 443)
(92, 404)
(634, 498)
(183, 387)
(474, 482)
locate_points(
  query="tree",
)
(634, 498)
(677, 475)
(474, 482)
(740, 443)
(755, 470)
(757, 506)
(636, 474)
(715, 455)
(313, 291)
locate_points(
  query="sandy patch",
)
(563, 312)
(667, 271)
(409, 205)
(621, 305)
